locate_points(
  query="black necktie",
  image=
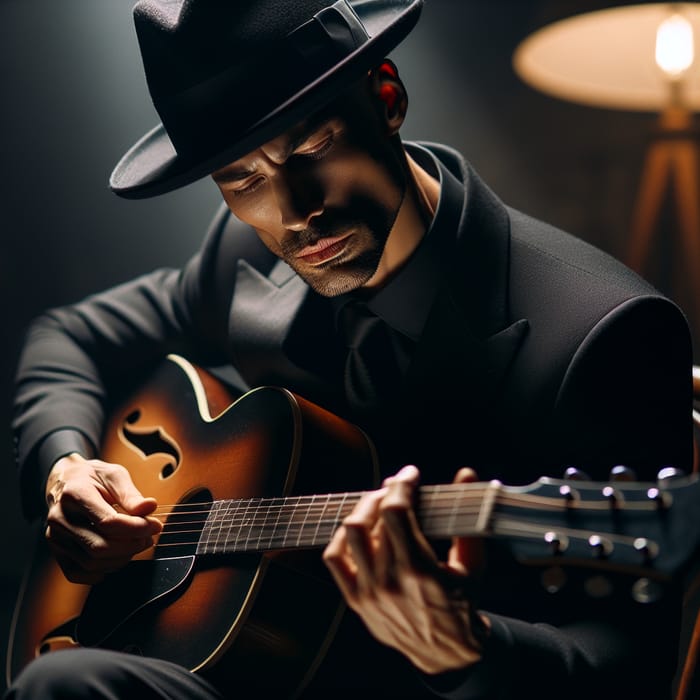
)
(371, 372)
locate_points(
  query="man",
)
(509, 347)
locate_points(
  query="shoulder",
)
(557, 279)
(584, 307)
(547, 255)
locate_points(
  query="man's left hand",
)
(390, 576)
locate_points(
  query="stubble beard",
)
(356, 265)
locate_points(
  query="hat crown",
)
(184, 42)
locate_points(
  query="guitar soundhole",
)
(184, 525)
(133, 417)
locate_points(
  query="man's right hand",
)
(97, 518)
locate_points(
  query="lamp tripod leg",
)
(652, 187)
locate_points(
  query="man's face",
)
(324, 195)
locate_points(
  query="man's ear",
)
(390, 95)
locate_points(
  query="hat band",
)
(204, 117)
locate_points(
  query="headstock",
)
(648, 531)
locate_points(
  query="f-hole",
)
(151, 440)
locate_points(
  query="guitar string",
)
(266, 530)
(264, 523)
(288, 513)
(427, 493)
(448, 501)
(499, 525)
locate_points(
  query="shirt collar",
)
(405, 301)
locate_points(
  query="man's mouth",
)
(324, 250)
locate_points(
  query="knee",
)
(62, 675)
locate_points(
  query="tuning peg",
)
(668, 473)
(622, 473)
(645, 591)
(575, 474)
(600, 546)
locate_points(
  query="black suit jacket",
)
(540, 352)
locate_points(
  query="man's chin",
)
(332, 283)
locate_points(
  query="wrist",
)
(57, 471)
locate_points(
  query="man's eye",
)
(317, 150)
(250, 187)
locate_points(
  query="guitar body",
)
(244, 619)
(249, 490)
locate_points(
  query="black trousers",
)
(95, 674)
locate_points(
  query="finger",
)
(340, 565)
(408, 473)
(77, 571)
(92, 544)
(409, 547)
(384, 560)
(466, 554)
(102, 518)
(125, 494)
(82, 504)
(358, 532)
(80, 565)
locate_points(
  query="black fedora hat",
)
(228, 75)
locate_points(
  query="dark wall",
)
(74, 98)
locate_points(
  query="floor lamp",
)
(641, 58)
(636, 58)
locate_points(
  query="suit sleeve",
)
(76, 358)
(626, 398)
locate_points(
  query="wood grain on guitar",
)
(251, 489)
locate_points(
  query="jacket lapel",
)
(282, 333)
(262, 311)
(469, 340)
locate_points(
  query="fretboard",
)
(260, 524)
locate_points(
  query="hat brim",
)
(152, 166)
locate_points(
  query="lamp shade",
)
(608, 58)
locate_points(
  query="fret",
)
(279, 502)
(205, 545)
(228, 508)
(314, 538)
(302, 526)
(251, 521)
(265, 522)
(222, 518)
(429, 514)
(338, 516)
(291, 512)
(452, 520)
(226, 517)
(288, 512)
(241, 524)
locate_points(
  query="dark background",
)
(73, 99)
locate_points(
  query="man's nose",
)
(299, 203)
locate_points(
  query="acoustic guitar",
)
(250, 489)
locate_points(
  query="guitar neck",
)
(643, 528)
(261, 524)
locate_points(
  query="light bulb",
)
(674, 46)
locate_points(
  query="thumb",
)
(466, 554)
(127, 496)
